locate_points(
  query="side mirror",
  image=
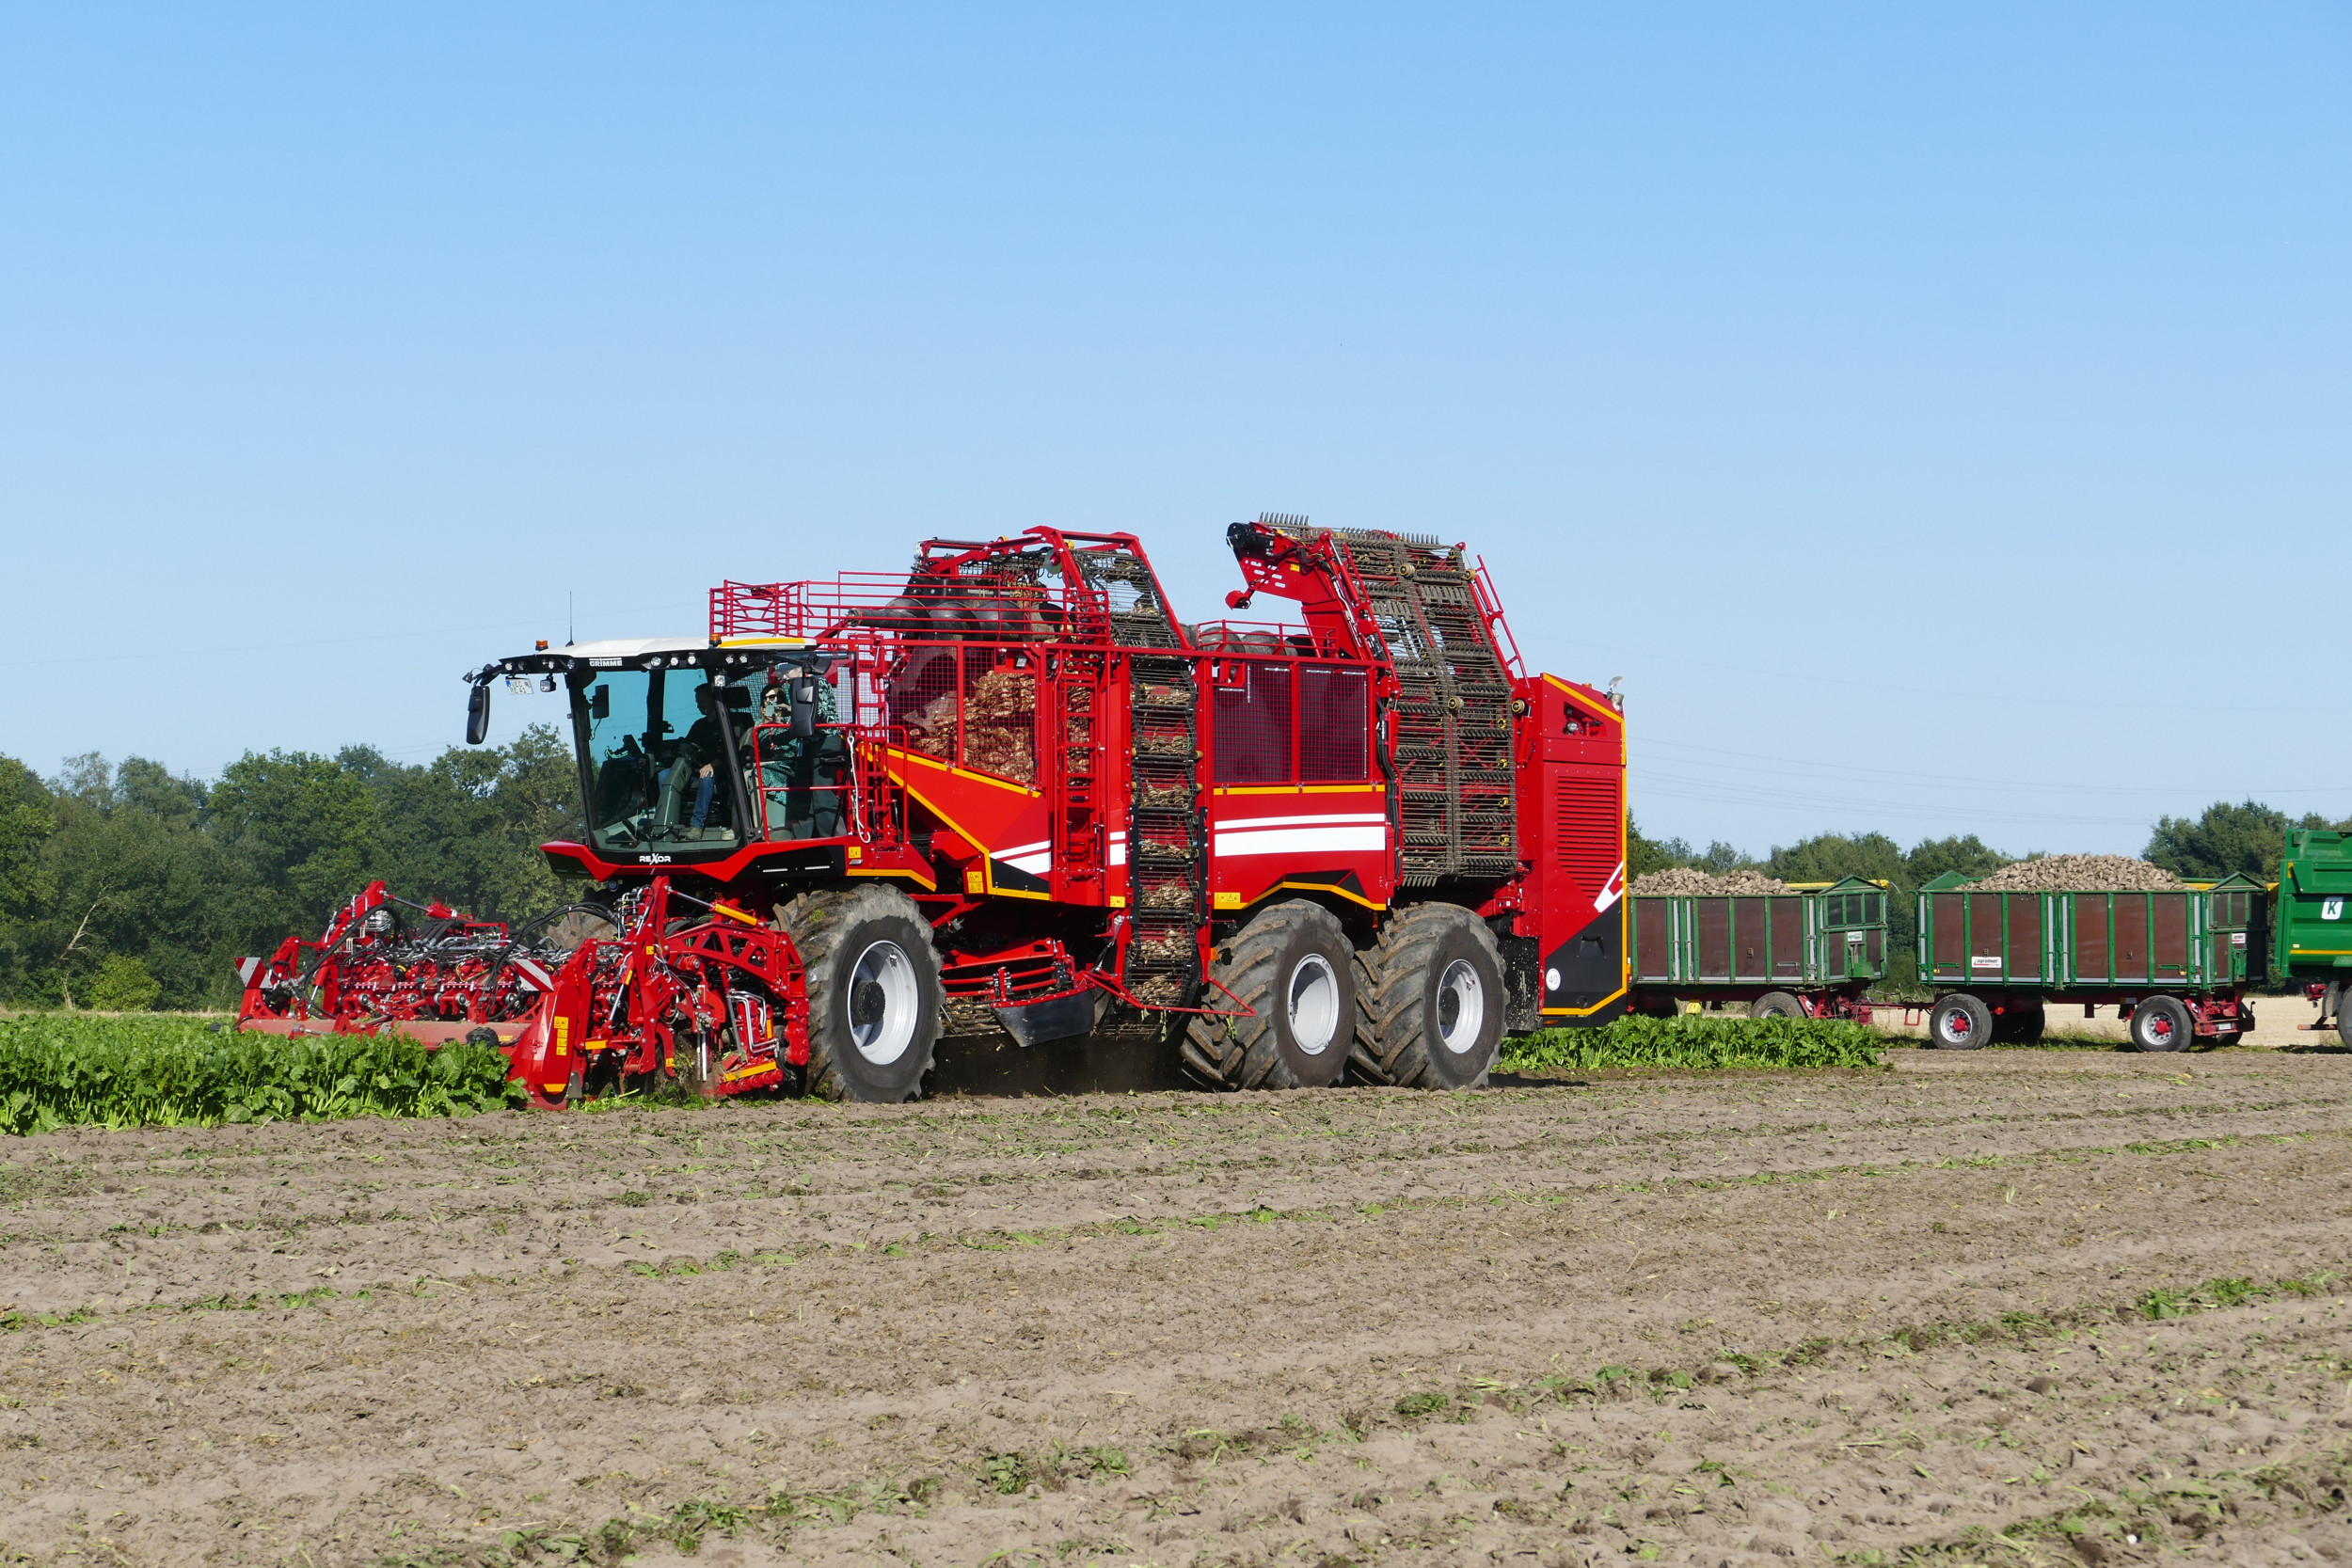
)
(805, 708)
(478, 714)
(600, 704)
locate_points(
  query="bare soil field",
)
(2007, 1308)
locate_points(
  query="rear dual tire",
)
(1431, 1000)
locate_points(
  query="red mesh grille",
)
(1586, 819)
(1334, 724)
(1253, 727)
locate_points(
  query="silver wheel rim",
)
(1314, 1005)
(1461, 1007)
(1957, 1025)
(883, 1001)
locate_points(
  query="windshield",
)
(660, 770)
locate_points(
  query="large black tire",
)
(1776, 1003)
(565, 930)
(1431, 1000)
(1294, 968)
(874, 997)
(1960, 1022)
(2162, 1023)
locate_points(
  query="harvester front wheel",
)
(1432, 997)
(874, 997)
(1294, 968)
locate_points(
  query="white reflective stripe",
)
(1036, 864)
(536, 973)
(246, 969)
(1614, 891)
(1118, 849)
(1284, 841)
(1010, 851)
(1316, 820)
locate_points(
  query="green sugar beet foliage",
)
(58, 1071)
(1697, 1040)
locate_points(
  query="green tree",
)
(2250, 837)
(126, 875)
(1827, 857)
(1932, 857)
(1645, 855)
(297, 834)
(27, 886)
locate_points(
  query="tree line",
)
(125, 886)
(2225, 838)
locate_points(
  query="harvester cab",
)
(690, 749)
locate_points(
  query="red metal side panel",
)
(1653, 945)
(2025, 936)
(2129, 944)
(2168, 938)
(2093, 950)
(1748, 959)
(1714, 920)
(1265, 839)
(1787, 938)
(1948, 953)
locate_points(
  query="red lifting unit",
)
(1009, 789)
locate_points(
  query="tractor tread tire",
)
(818, 922)
(1391, 998)
(1247, 1053)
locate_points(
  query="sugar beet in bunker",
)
(1009, 789)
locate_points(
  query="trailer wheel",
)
(1960, 1022)
(1430, 1000)
(2162, 1023)
(1776, 1003)
(1294, 968)
(874, 997)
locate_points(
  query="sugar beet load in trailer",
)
(1009, 789)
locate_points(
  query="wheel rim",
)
(1957, 1025)
(1314, 1005)
(2159, 1028)
(1461, 1007)
(884, 1000)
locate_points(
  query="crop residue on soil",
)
(2087, 1301)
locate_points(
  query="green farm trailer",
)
(2175, 963)
(1807, 953)
(2312, 923)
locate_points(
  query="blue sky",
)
(1937, 415)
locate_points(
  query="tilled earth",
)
(2019, 1307)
